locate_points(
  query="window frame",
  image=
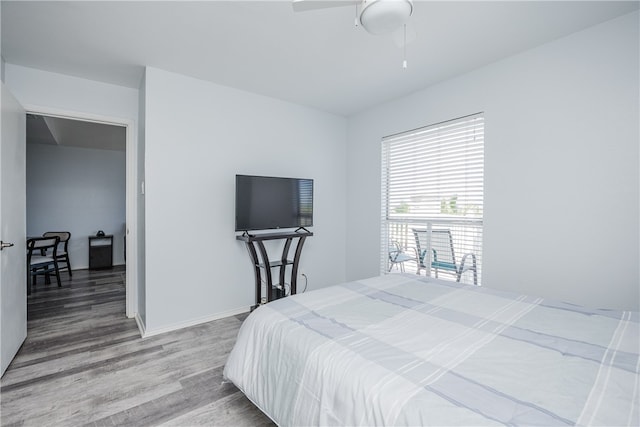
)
(457, 147)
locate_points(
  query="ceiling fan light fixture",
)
(384, 16)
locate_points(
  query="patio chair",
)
(397, 256)
(444, 257)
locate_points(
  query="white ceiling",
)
(315, 58)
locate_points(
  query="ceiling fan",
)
(375, 16)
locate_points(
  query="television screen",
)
(265, 202)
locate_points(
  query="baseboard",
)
(175, 327)
(86, 267)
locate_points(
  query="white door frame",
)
(131, 216)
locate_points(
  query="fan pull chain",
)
(404, 47)
(355, 20)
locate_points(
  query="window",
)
(432, 198)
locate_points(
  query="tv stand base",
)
(255, 246)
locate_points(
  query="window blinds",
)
(433, 177)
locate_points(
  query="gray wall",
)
(77, 190)
(561, 166)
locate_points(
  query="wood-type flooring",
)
(84, 363)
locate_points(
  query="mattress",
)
(409, 350)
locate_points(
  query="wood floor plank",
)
(84, 363)
(232, 410)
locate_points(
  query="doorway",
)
(81, 153)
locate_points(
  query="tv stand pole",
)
(277, 290)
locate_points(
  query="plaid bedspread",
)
(409, 350)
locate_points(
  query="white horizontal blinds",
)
(437, 170)
(435, 175)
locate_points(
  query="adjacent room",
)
(76, 183)
(428, 216)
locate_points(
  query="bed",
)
(401, 349)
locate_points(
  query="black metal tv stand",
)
(277, 290)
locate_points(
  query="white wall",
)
(561, 166)
(572, 179)
(77, 190)
(198, 136)
(142, 299)
(44, 91)
(51, 90)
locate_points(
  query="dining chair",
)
(42, 259)
(63, 249)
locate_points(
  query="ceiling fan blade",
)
(306, 5)
(399, 38)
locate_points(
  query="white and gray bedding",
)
(409, 350)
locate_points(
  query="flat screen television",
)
(268, 202)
